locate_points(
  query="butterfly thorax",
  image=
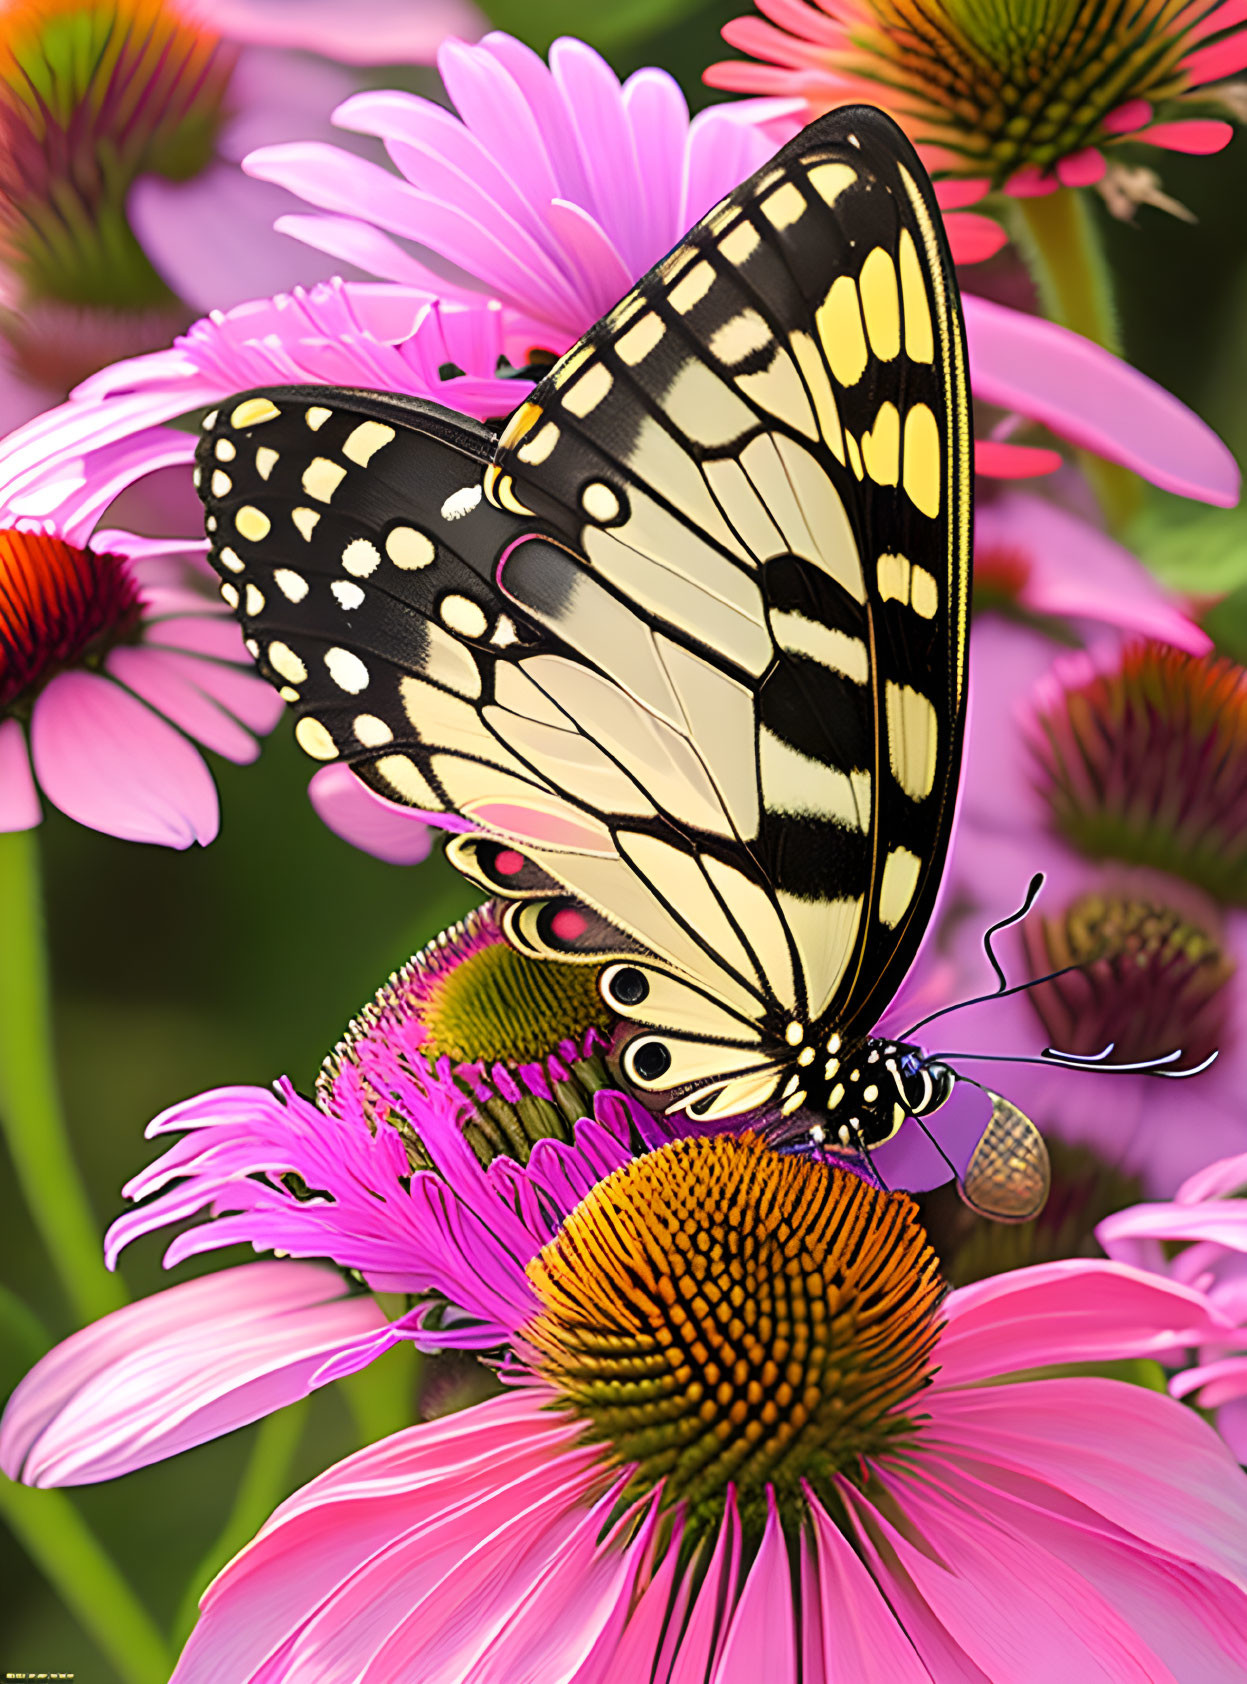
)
(858, 1094)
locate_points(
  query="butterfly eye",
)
(626, 987)
(648, 1061)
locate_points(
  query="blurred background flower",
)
(122, 211)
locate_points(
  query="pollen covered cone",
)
(725, 1317)
(994, 94)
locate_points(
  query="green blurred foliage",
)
(178, 972)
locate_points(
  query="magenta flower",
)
(659, 1474)
(553, 190)
(1120, 775)
(1027, 102)
(117, 656)
(124, 122)
(1200, 1238)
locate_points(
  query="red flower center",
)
(59, 606)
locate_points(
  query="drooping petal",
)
(1073, 1311)
(19, 799)
(186, 1365)
(1158, 1472)
(861, 1637)
(154, 676)
(1077, 572)
(394, 1531)
(761, 1637)
(1084, 393)
(108, 761)
(366, 820)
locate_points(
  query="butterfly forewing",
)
(763, 450)
(699, 649)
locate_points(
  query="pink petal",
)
(973, 238)
(1037, 369)
(1217, 1382)
(861, 1637)
(1210, 64)
(367, 32)
(200, 634)
(113, 764)
(1232, 1425)
(212, 238)
(1132, 115)
(761, 1640)
(241, 692)
(179, 1368)
(1074, 1311)
(998, 459)
(19, 799)
(366, 820)
(402, 1527)
(1197, 134)
(154, 676)
(959, 191)
(1013, 1606)
(1078, 572)
(1221, 1222)
(1227, 1175)
(1081, 169)
(1030, 182)
(701, 1641)
(1132, 1455)
(637, 1651)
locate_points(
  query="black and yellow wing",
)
(686, 647)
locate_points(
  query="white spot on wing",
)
(461, 503)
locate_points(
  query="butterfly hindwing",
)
(699, 648)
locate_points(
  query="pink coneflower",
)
(122, 209)
(1119, 774)
(1200, 1238)
(116, 657)
(742, 1436)
(1027, 99)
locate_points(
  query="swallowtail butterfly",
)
(684, 650)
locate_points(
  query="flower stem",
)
(30, 1111)
(58, 1540)
(264, 1483)
(1058, 237)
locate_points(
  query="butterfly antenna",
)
(1002, 987)
(1052, 1057)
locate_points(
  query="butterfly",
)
(682, 652)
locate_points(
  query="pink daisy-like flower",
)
(122, 208)
(994, 97)
(1119, 773)
(116, 657)
(1200, 1239)
(742, 1436)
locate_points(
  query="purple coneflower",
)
(1026, 100)
(117, 656)
(741, 1432)
(1119, 773)
(122, 208)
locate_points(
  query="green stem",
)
(265, 1482)
(30, 1111)
(1058, 236)
(57, 1539)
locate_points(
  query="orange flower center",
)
(59, 606)
(719, 1314)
